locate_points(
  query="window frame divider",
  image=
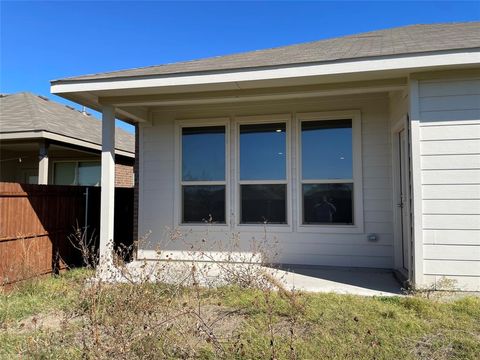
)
(200, 183)
(327, 181)
(262, 182)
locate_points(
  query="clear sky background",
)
(41, 41)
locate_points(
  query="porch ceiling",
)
(133, 105)
(240, 95)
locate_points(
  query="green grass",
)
(343, 326)
(41, 295)
(248, 324)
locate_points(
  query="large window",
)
(327, 183)
(203, 174)
(263, 173)
(242, 175)
(85, 173)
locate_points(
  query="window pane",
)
(263, 203)
(262, 152)
(89, 173)
(203, 153)
(64, 173)
(327, 204)
(327, 149)
(202, 203)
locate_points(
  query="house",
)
(358, 151)
(45, 142)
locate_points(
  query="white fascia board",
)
(21, 135)
(468, 57)
(60, 138)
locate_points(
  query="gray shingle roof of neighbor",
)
(25, 111)
(390, 42)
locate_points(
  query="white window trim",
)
(261, 119)
(358, 212)
(179, 125)
(77, 162)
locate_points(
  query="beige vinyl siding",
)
(450, 174)
(451, 237)
(341, 248)
(452, 206)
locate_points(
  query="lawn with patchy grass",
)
(61, 318)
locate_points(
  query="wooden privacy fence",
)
(35, 221)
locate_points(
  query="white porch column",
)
(43, 163)
(108, 187)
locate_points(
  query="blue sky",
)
(42, 41)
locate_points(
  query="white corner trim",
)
(417, 246)
(414, 62)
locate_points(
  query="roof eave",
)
(92, 79)
(68, 140)
(90, 92)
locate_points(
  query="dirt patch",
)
(214, 324)
(222, 319)
(434, 346)
(50, 321)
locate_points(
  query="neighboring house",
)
(359, 151)
(44, 142)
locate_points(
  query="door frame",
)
(401, 124)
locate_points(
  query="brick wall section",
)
(136, 168)
(123, 175)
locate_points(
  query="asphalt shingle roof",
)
(390, 42)
(29, 112)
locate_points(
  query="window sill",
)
(262, 228)
(331, 229)
(204, 227)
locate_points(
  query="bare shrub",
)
(22, 266)
(85, 244)
(233, 264)
(170, 309)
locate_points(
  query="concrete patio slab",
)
(354, 281)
